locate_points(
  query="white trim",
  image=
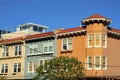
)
(32, 67)
(105, 41)
(98, 46)
(88, 63)
(70, 32)
(67, 42)
(99, 63)
(88, 38)
(105, 63)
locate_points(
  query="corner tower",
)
(96, 44)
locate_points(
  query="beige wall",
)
(11, 59)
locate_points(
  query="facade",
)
(39, 49)
(95, 44)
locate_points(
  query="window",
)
(89, 62)
(4, 68)
(17, 50)
(104, 62)
(97, 62)
(5, 52)
(32, 66)
(48, 46)
(35, 50)
(104, 41)
(89, 40)
(67, 44)
(43, 62)
(97, 39)
(17, 67)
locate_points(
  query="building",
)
(3, 32)
(39, 49)
(25, 30)
(95, 44)
(21, 53)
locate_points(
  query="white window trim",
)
(67, 44)
(50, 42)
(88, 36)
(17, 68)
(5, 51)
(98, 46)
(95, 61)
(105, 64)
(88, 63)
(32, 67)
(105, 41)
(17, 50)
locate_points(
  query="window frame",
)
(97, 68)
(104, 40)
(17, 67)
(33, 66)
(97, 37)
(105, 63)
(4, 67)
(17, 50)
(67, 43)
(88, 64)
(5, 51)
(47, 45)
(43, 62)
(89, 38)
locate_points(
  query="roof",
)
(40, 35)
(71, 30)
(115, 30)
(96, 16)
(11, 40)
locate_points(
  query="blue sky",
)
(56, 13)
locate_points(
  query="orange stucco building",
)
(95, 44)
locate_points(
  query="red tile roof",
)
(71, 30)
(40, 35)
(11, 40)
(96, 16)
(115, 30)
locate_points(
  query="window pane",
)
(30, 66)
(89, 62)
(35, 50)
(41, 62)
(97, 62)
(89, 40)
(69, 43)
(35, 66)
(104, 62)
(50, 48)
(97, 39)
(64, 44)
(45, 49)
(104, 40)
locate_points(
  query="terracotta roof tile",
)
(11, 40)
(115, 30)
(71, 30)
(40, 35)
(96, 16)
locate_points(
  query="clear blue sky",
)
(56, 13)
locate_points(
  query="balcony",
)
(39, 54)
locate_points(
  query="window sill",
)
(10, 57)
(3, 74)
(67, 51)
